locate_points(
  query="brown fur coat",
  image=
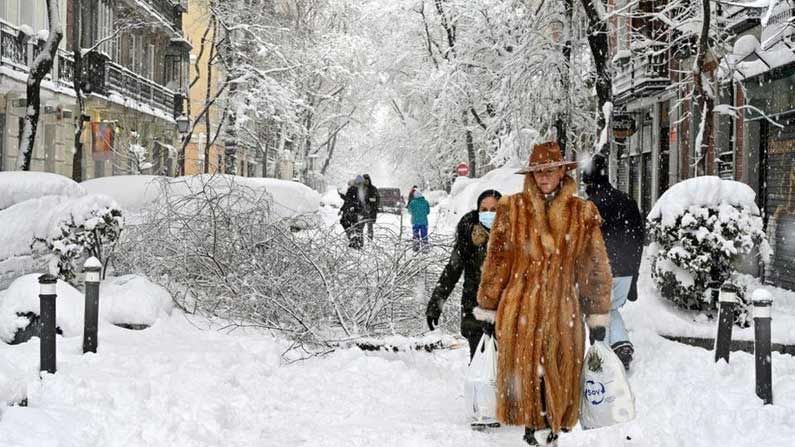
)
(546, 266)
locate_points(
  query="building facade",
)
(133, 80)
(655, 124)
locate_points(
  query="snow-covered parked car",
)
(137, 194)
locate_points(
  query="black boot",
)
(624, 351)
(529, 436)
(550, 438)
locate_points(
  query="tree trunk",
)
(208, 131)
(561, 123)
(41, 66)
(77, 84)
(706, 100)
(597, 41)
(472, 155)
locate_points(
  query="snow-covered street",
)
(180, 383)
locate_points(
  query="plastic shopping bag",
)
(480, 391)
(606, 396)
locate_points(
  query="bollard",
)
(47, 295)
(727, 297)
(92, 268)
(763, 303)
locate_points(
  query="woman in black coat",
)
(469, 252)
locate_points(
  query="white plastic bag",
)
(480, 391)
(606, 396)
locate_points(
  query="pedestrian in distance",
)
(371, 203)
(352, 210)
(623, 231)
(546, 267)
(411, 195)
(419, 208)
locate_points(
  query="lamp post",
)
(230, 159)
(183, 125)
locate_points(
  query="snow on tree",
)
(42, 65)
(701, 227)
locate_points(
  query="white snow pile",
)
(136, 193)
(23, 297)
(19, 186)
(465, 191)
(181, 383)
(331, 198)
(706, 191)
(131, 192)
(133, 299)
(126, 299)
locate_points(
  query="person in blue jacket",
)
(419, 208)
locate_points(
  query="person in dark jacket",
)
(623, 231)
(351, 211)
(371, 202)
(469, 252)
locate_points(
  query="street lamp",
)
(230, 150)
(183, 124)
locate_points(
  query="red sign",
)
(672, 136)
(462, 169)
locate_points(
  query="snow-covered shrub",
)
(225, 252)
(700, 227)
(92, 232)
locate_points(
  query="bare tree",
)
(41, 66)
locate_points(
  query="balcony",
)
(740, 19)
(642, 75)
(167, 12)
(108, 78)
(18, 51)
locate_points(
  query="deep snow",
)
(187, 382)
(181, 384)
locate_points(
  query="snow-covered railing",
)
(741, 18)
(134, 86)
(644, 72)
(13, 50)
(18, 52)
(109, 78)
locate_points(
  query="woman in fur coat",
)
(545, 268)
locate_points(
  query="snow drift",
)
(19, 186)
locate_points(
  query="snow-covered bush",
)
(77, 237)
(700, 227)
(226, 253)
(38, 231)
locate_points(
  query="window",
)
(27, 13)
(150, 62)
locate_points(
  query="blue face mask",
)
(487, 218)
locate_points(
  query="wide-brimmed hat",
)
(546, 156)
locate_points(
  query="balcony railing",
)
(642, 75)
(108, 78)
(740, 19)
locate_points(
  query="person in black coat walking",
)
(351, 211)
(371, 202)
(623, 232)
(469, 252)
